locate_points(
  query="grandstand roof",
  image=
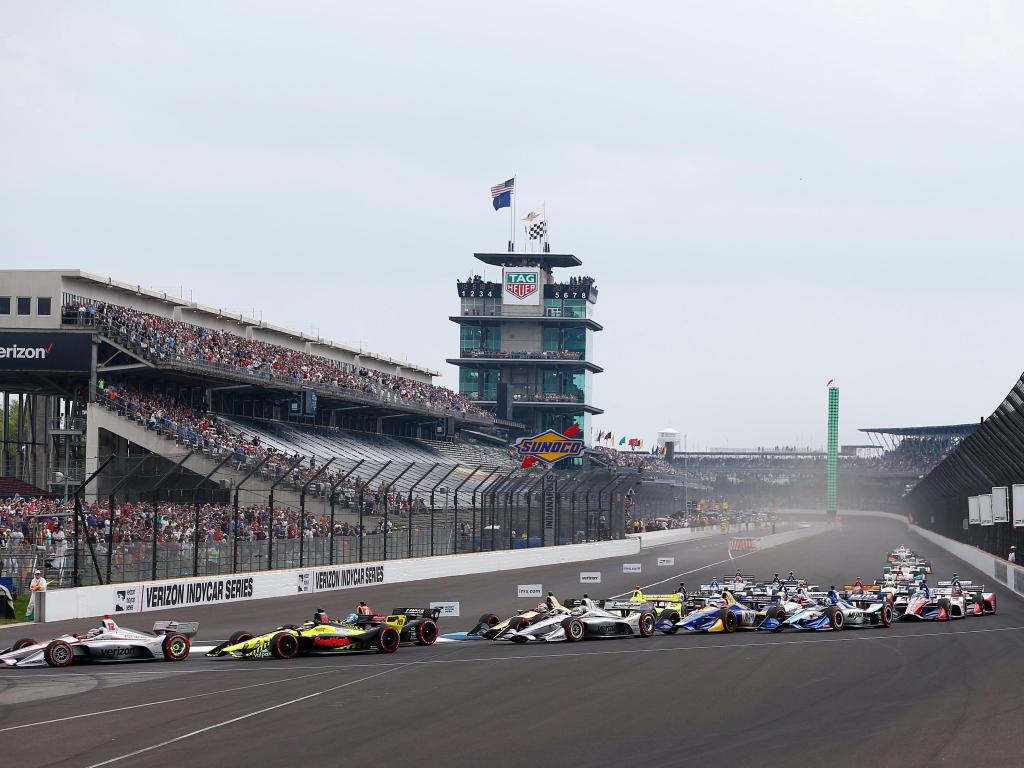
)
(547, 259)
(949, 430)
(242, 319)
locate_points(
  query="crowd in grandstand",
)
(162, 339)
(555, 354)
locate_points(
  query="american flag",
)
(501, 189)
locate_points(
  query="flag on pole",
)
(622, 441)
(532, 216)
(537, 230)
(501, 194)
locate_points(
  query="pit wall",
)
(145, 596)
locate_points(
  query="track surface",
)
(922, 694)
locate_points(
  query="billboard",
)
(45, 351)
(521, 286)
(985, 507)
(1018, 505)
(973, 511)
(1000, 505)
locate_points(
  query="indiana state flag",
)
(501, 194)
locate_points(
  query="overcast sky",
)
(770, 194)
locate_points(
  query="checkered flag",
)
(537, 230)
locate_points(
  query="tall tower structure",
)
(526, 342)
(831, 501)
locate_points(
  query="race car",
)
(736, 583)
(860, 610)
(588, 618)
(169, 641)
(727, 614)
(949, 600)
(491, 627)
(323, 636)
(669, 608)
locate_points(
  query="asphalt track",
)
(922, 694)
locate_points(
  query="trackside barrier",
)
(1003, 571)
(672, 536)
(174, 593)
(741, 544)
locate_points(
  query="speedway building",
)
(526, 343)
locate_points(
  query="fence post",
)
(79, 520)
(302, 512)
(238, 489)
(412, 488)
(195, 512)
(270, 512)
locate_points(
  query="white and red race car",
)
(950, 600)
(169, 641)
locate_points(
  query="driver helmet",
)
(320, 617)
(542, 606)
(352, 618)
(578, 611)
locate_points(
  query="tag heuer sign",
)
(521, 286)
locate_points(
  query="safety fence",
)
(212, 529)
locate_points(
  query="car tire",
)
(518, 622)
(59, 654)
(388, 640)
(646, 624)
(574, 629)
(23, 643)
(489, 620)
(426, 632)
(669, 615)
(836, 619)
(520, 639)
(176, 647)
(729, 622)
(886, 615)
(284, 645)
(239, 637)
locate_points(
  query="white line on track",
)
(686, 573)
(246, 716)
(169, 701)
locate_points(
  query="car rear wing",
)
(412, 614)
(625, 605)
(965, 584)
(187, 628)
(864, 587)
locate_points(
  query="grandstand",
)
(201, 441)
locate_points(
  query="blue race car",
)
(728, 615)
(863, 610)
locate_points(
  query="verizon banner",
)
(1000, 505)
(1018, 505)
(973, 510)
(985, 507)
(45, 351)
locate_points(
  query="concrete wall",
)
(31, 283)
(119, 599)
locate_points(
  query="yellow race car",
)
(323, 636)
(670, 607)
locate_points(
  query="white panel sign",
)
(1018, 505)
(985, 508)
(327, 579)
(590, 577)
(631, 567)
(521, 286)
(1000, 502)
(530, 590)
(666, 561)
(973, 510)
(448, 610)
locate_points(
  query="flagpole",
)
(512, 220)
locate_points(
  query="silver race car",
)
(169, 641)
(588, 618)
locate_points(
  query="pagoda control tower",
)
(526, 343)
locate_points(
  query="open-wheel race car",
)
(324, 636)
(168, 641)
(669, 608)
(492, 627)
(727, 614)
(590, 619)
(857, 610)
(949, 600)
